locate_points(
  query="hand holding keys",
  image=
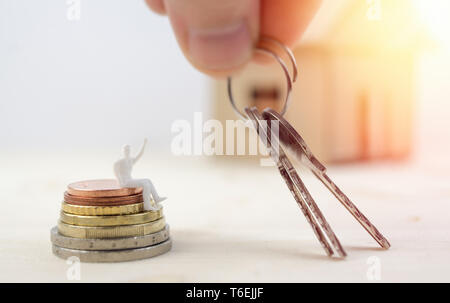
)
(276, 132)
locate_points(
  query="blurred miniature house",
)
(354, 98)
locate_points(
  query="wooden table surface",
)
(235, 221)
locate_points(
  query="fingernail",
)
(220, 48)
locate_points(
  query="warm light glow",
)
(436, 14)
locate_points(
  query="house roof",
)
(350, 24)
(323, 20)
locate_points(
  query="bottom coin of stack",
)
(102, 222)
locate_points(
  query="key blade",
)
(286, 171)
(290, 138)
(348, 204)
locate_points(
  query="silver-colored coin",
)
(114, 255)
(108, 244)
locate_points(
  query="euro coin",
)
(108, 244)
(83, 210)
(101, 188)
(108, 232)
(103, 201)
(113, 255)
(133, 219)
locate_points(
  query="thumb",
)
(216, 36)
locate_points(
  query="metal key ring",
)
(287, 50)
(288, 82)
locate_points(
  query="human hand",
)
(218, 36)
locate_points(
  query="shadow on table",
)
(364, 248)
(192, 241)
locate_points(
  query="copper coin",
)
(101, 188)
(103, 201)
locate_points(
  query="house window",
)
(263, 97)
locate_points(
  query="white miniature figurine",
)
(122, 170)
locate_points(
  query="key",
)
(295, 185)
(290, 138)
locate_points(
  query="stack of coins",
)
(102, 222)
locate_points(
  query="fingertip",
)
(157, 6)
(222, 73)
(221, 49)
(217, 37)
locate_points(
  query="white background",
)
(117, 75)
(112, 77)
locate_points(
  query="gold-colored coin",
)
(140, 218)
(102, 210)
(89, 232)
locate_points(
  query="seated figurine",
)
(122, 171)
